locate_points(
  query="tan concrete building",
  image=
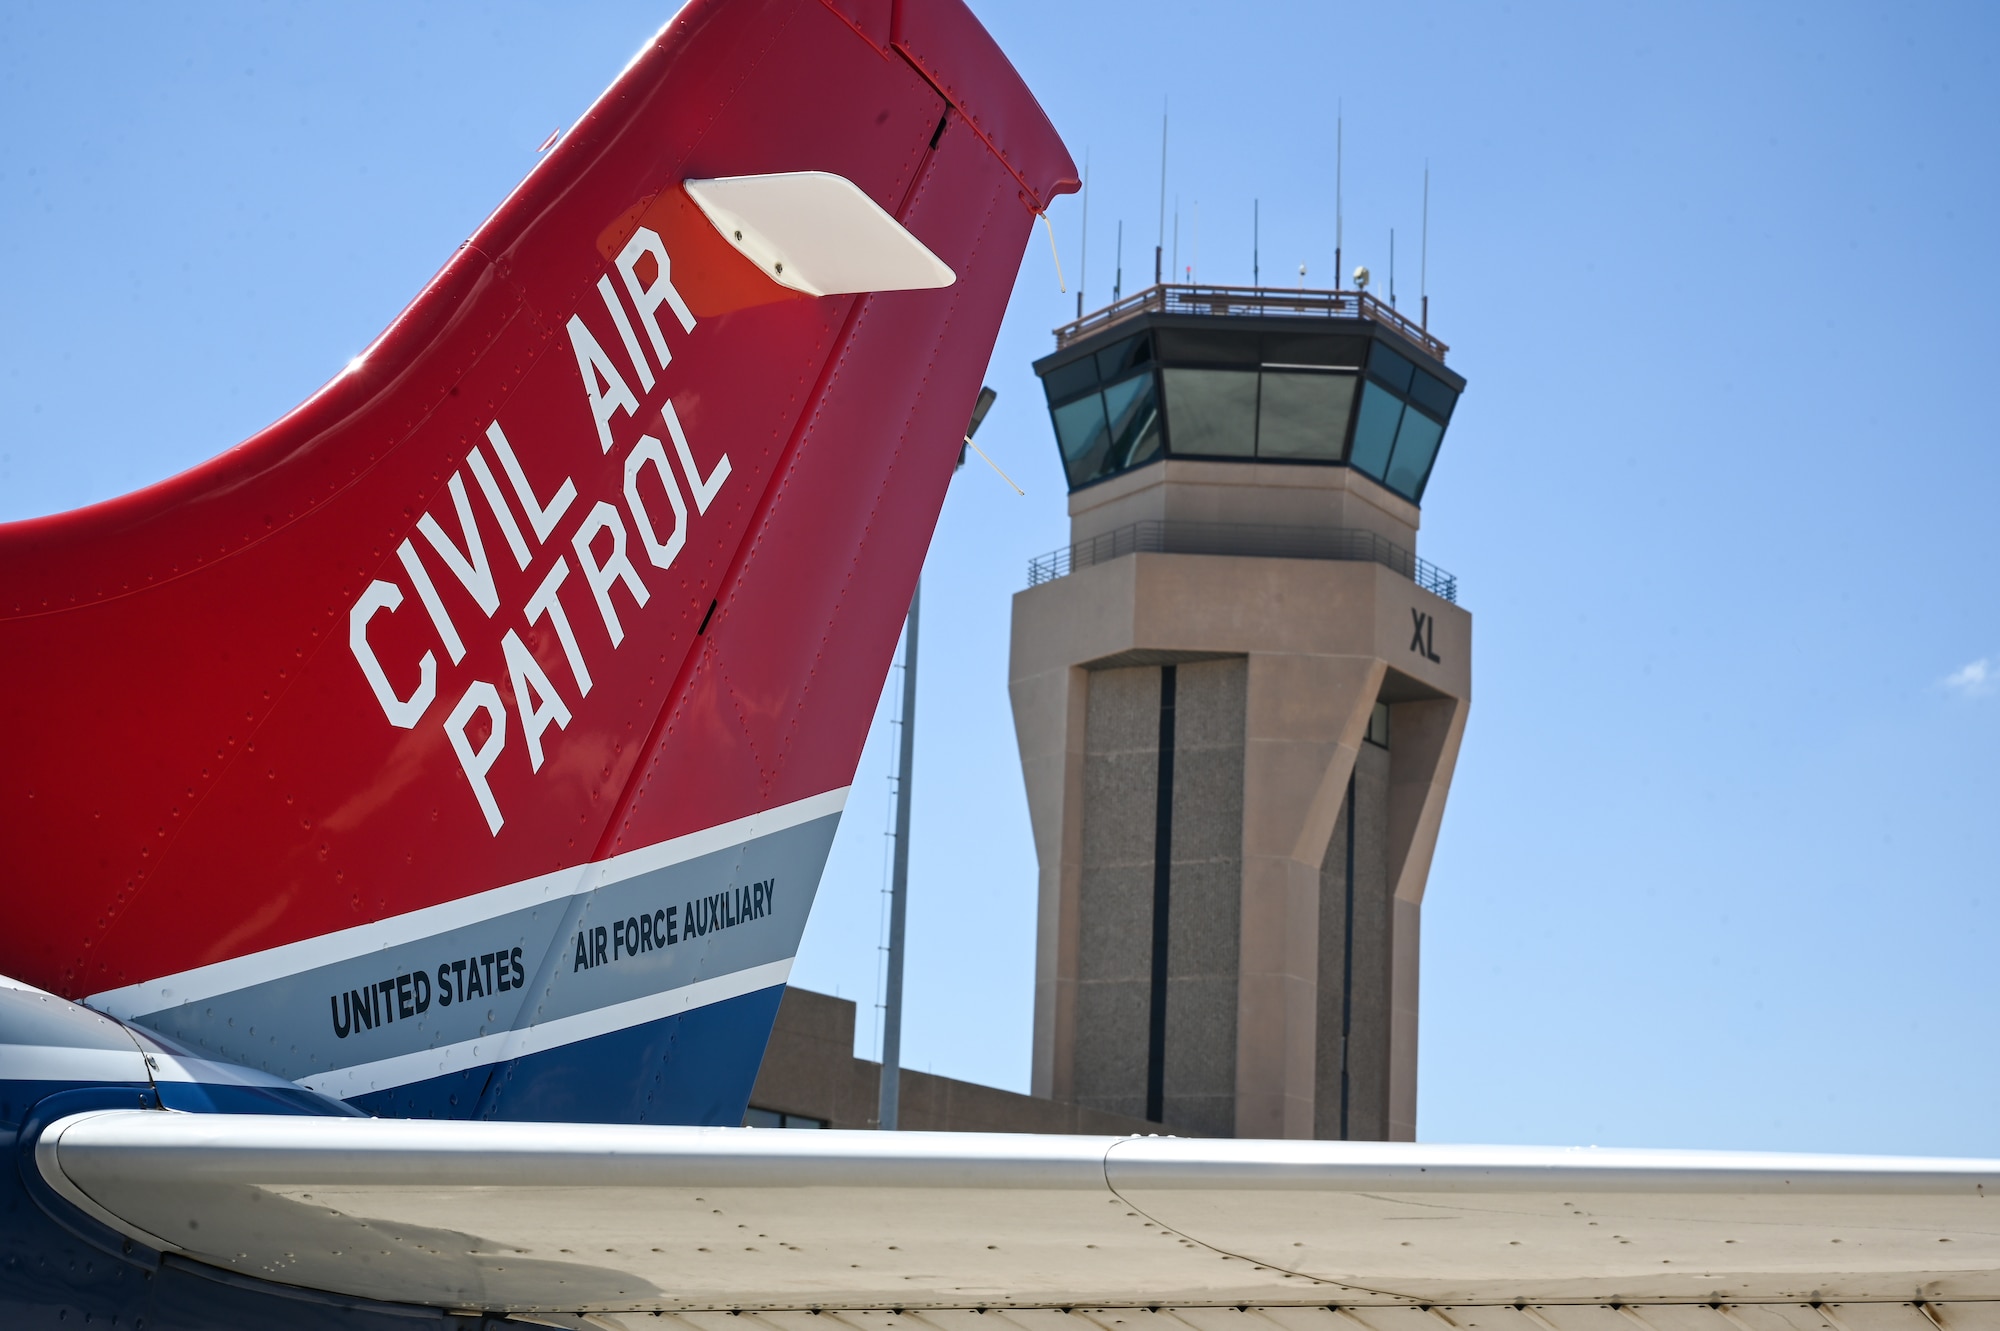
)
(811, 1079)
(1239, 697)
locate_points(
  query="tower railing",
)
(1233, 538)
(1173, 298)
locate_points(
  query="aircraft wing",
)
(563, 1220)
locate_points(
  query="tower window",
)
(1375, 431)
(1212, 413)
(1378, 726)
(1303, 415)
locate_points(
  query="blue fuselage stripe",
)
(694, 1068)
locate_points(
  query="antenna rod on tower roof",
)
(1256, 273)
(1338, 219)
(1424, 255)
(1392, 268)
(1118, 271)
(1159, 249)
(1083, 264)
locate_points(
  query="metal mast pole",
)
(889, 1104)
(899, 884)
(1159, 249)
(1424, 262)
(1083, 269)
(1339, 273)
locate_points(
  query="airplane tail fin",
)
(469, 742)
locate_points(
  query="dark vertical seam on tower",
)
(1163, 845)
(1347, 961)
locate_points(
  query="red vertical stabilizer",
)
(603, 546)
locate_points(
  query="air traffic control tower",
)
(1239, 695)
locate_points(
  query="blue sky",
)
(1719, 866)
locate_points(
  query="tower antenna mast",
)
(1338, 211)
(1083, 264)
(1160, 248)
(1424, 256)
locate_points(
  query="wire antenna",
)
(1050, 227)
(1256, 223)
(1424, 255)
(980, 407)
(991, 463)
(1118, 273)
